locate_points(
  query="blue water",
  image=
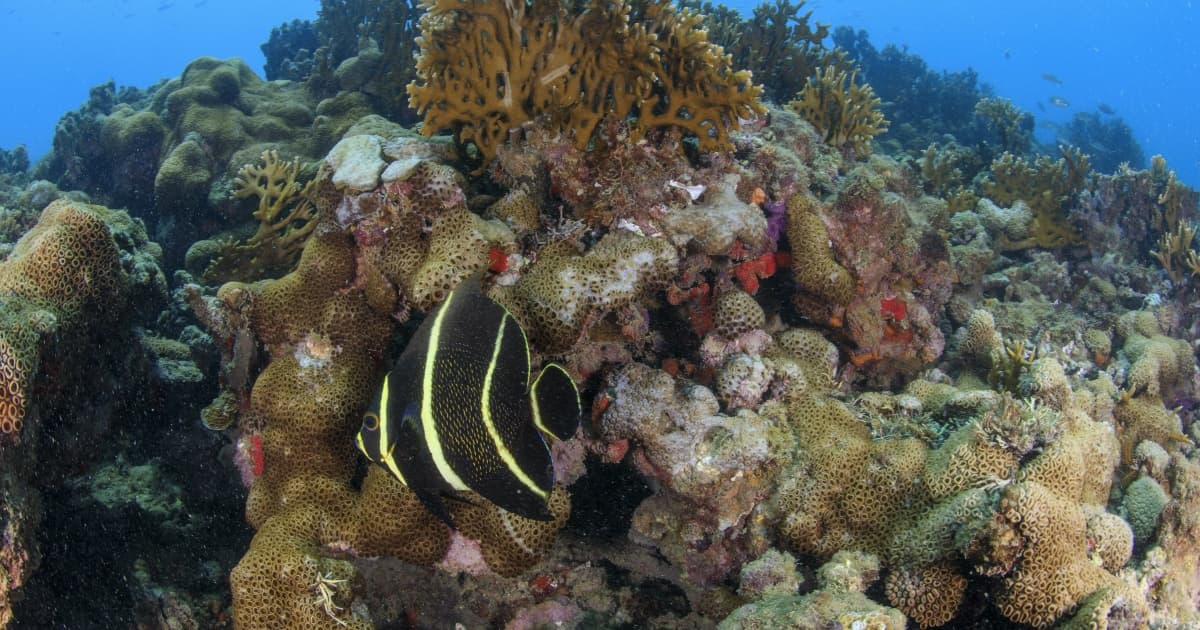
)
(1141, 58)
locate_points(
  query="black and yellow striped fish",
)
(457, 410)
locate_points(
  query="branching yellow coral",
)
(1013, 126)
(285, 220)
(1047, 186)
(1174, 198)
(844, 111)
(943, 178)
(487, 67)
(1176, 254)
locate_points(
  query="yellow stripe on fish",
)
(456, 411)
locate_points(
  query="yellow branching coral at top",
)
(285, 220)
(844, 111)
(487, 67)
(1175, 252)
(1047, 186)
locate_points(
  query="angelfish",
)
(457, 411)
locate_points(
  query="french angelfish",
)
(457, 411)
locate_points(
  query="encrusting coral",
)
(487, 67)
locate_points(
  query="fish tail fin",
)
(556, 406)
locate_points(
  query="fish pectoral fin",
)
(434, 504)
(460, 499)
(555, 402)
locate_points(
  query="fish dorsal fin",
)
(555, 402)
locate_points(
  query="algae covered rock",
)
(839, 603)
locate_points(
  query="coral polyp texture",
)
(64, 273)
(69, 283)
(486, 67)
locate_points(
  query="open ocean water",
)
(1141, 59)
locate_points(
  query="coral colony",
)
(843, 362)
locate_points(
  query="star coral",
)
(486, 67)
(71, 289)
(987, 498)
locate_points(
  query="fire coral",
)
(485, 67)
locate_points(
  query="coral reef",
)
(701, 518)
(838, 603)
(950, 384)
(978, 498)
(365, 49)
(289, 51)
(73, 286)
(1109, 142)
(325, 326)
(1013, 127)
(779, 43)
(175, 150)
(923, 106)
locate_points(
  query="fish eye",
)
(371, 421)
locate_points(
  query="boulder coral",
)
(73, 287)
(1027, 511)
(325, 327)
